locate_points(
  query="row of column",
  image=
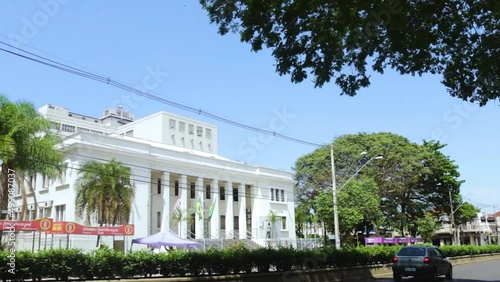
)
(215, 220)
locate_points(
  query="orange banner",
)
(42, 224)
(64, 227)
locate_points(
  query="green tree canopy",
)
(466, 212)
(427, 225)
(26, 145)
(343, 39)
(358, 206)
(104, 193)
(411, 178)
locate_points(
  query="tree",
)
(358, 206)
(427, 225)
(27, 147)
(302, 215)
(457, 39)
(273, 218)
(466, 212)
(411, 178)
(104, 193)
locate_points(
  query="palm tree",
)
(105, 193)
(273, 218)
(27, 147)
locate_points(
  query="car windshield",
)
(412, 252)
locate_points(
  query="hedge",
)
(66, 264)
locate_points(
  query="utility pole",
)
(334, 191)
(496, 224)
(452, 219)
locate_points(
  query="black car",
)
(420, 262)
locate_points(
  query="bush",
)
(105, 263)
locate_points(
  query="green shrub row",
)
(65, 264)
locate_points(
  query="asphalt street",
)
(487, 271)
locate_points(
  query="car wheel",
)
(449, 274)
(434, 275)
(397, 277)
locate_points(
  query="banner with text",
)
(64, 227)
(42, 224)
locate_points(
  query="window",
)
(172, 124)
(68, 128)
(33, 181)
(236, 223)
(55, 125)
(412, 252)
(191, 129)
(277, 194)
(208, 133)
(235, 194)
(63, 173)
(283, 223)
(60, 212)
(222, 222)
(158, 219)
(222, 193)
(272, 194)
(45, 181)
(182, 126)
(193, 190)
(199, 131)
(83, 129)
(282, 195)
(207, 192)
(158, 186)
(176, 188)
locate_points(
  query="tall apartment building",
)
(173, 159)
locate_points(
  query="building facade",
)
(477, 231)
(174, 166)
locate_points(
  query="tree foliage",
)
(27, 147)
(411, 178)
(466, 212)
(343, 39)
(427, 225)
(358, 206)
(104, 193)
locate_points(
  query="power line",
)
(108, 80)
(147, 179)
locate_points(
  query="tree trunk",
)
(4, 198)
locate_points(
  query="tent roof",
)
(165, 238)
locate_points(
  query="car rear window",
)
(412, 252)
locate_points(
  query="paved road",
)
(487, 271)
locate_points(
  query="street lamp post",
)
(334, 192)
(455, 234)
(453, 241)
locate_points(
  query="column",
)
(183, 187)
(243, 210)
(215, 220)
(229, 210)
(199, 228)
(141, 210)
(165, 189)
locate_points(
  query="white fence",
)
(36, 241)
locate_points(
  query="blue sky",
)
(193, 65)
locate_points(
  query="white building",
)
(171, 157)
